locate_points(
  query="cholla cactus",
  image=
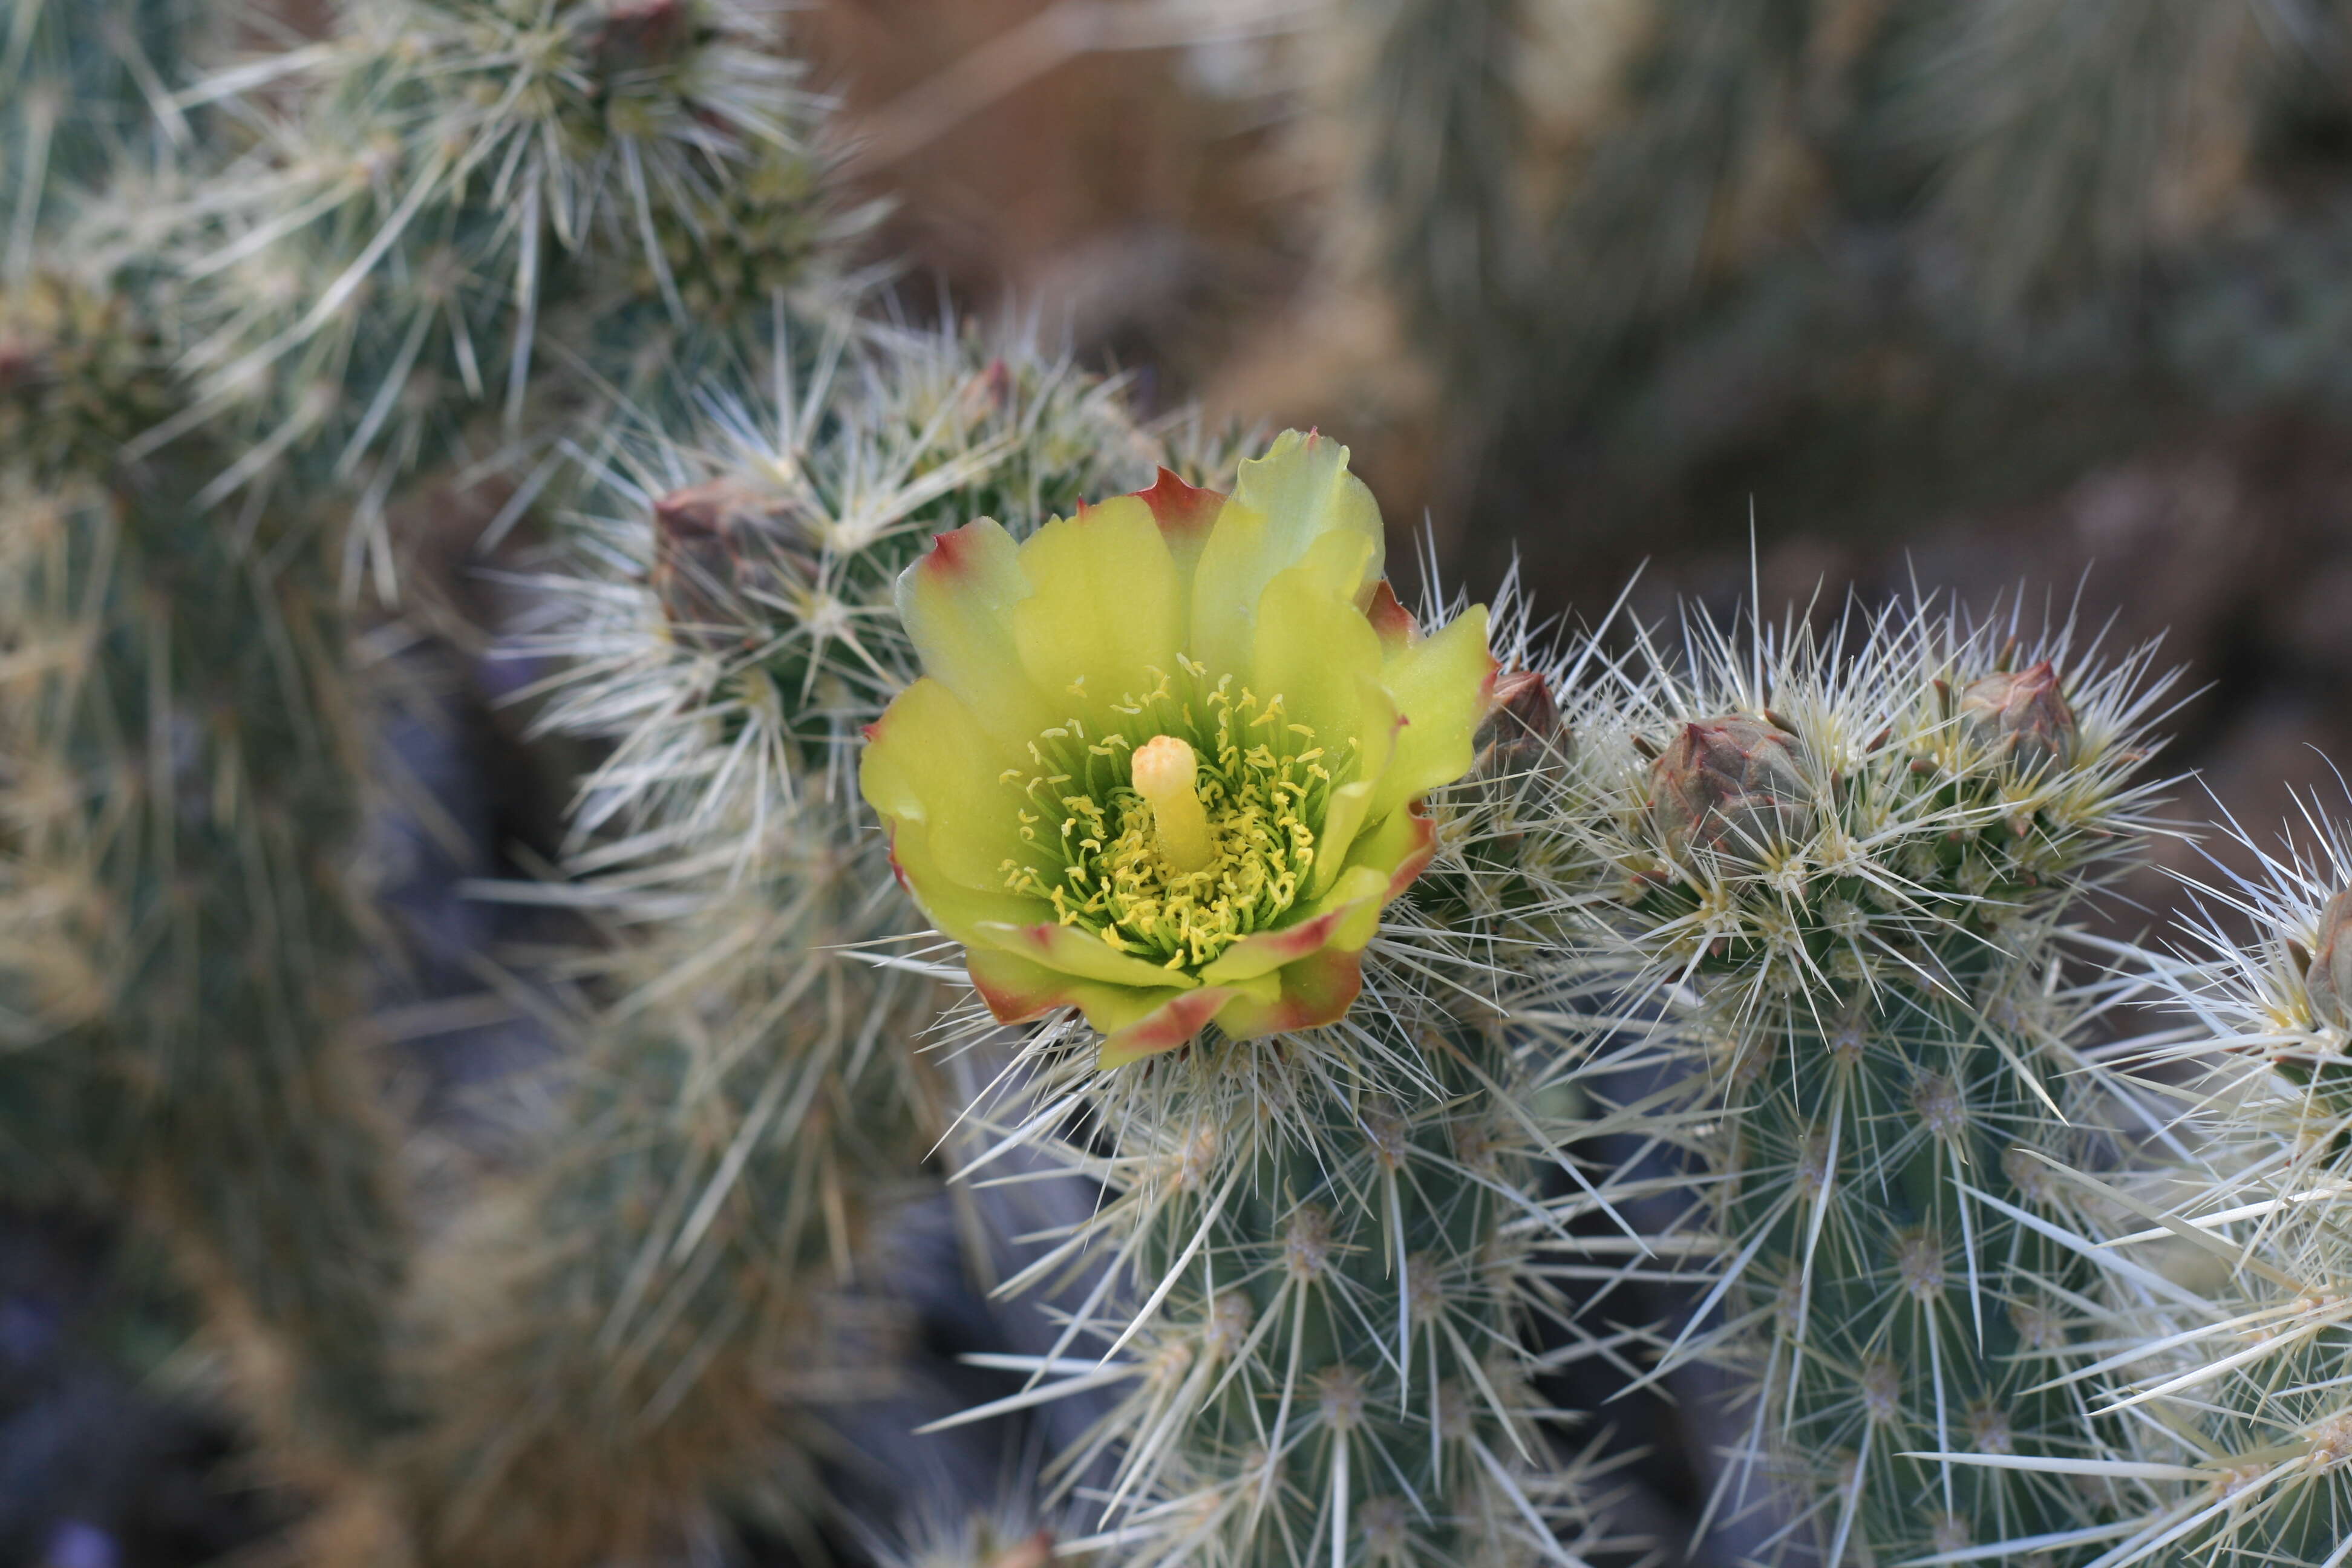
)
(2226, 1364)
(85, 95)
(725, 616)
(751, 1103)
(437, 188)
(646, 1331)
(177, 977)
(1839, 879)
(1320, 1244)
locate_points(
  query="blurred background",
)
(2046, 302)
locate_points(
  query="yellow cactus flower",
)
(1166, 759)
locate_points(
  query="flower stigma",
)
(1166, 773)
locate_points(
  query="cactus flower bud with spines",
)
(2024, 715)
(1027, 780)
(705, 566)
(1735, 784)
(2328, 981)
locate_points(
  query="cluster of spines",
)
(446, 210)
(1840, 865)
(2219, 1262)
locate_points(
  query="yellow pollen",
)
(1102, 834)
(1167, 774)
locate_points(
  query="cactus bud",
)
(22, 363)
(1524, 726)
(637, 34)
(703, 567)
(2330, 979)
(1735, 784)
(2023, 715)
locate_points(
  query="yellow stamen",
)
(1166, 773)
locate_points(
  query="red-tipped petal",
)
(1171, 1023)
(1180, 510)
(949, 552)
(1015, 990)
(1268, 951)
(1417, 859)
(1391, 619)
(1315, 990)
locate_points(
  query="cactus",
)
(1838, 885)
(1323, 1245)
(747, 1108)
(635, 1341)
(449, 207)
(179, 981)
(1817, 893)
(179, 977)
(1445, 125)
(86, 93)
(181, 947)
(2225, 1352)
(2067, 147)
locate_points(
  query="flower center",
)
(1174, 848)
(1167, 774)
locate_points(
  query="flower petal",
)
(957, 604)
(1166, 1026)
(1315, 990)
(1346, 922)
(1391, 619)
(1075, 952)
(1018, 990)
(1401, 849)
(1350, 806)
(955, 907)
(1300, 492)
(1316, 651)
(1444, 685)
(1185, 514)
(1104, 615)
(928, 761)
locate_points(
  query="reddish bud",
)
(22, 363)
(2023, 716)
(1523, 727)
(707, 556)
(2330, 978)
(1734, 784)
(639, 33)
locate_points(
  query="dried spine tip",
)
(1167, 775)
